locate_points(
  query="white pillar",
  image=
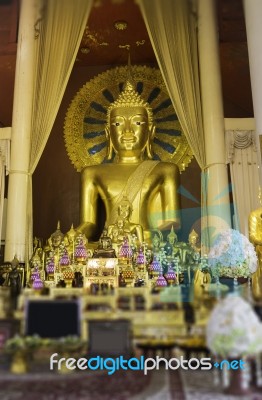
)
(253, 15)
(21, 131)
(213, 118)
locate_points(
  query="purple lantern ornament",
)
(35, 274)
(161, 282)
(170, 276)
(140, 259)
(155, 267)
(64, 260)
(38, 284)
(50, 267)
(80, 251)
(125, 250)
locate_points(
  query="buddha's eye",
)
(116, 123)
(139, 122)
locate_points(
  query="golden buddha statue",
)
(193, 238)
(255, 236)
(57, 237)
(123, 223)
(150, 186)
(104, 249)
(116, 231)
(170, 244)
(157, 241)
(70, 241)
(55, 241)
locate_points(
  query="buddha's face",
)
(57, 240)
(129, 129)
(71, 239)
(106, 243)
(156, 240)
(192, 240)
(171, 239)
(120, 224)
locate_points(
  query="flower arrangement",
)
(233, 329)
(232, 255)
(69, 343)
(22, 344)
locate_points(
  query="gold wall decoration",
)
(84, 127)
(120, 25)
(124, 46)
(140, 43)
(92, 39)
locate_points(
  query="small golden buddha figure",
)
(55, 241)
(150, 186)
(14, 280)
(171, 241)
(70, 241)
(255, 236)
(157, 239)
(105, 249)
(124, 225)
(38, 250)
(36, 262)
(193, 240)
(57, 237)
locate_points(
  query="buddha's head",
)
(15, 262)
(130, 128)
(57, 237)
(193, 237)
(105, 242)
(156, 240)
(71, 235)
(172, 236)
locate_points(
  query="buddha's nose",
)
(128, 131)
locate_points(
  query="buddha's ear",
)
(151, 135)
(152, 131)
(109, 144)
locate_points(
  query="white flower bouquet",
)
(232, 255)
(233, 329)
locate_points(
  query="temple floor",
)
(123, 385)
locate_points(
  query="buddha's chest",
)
(116, 179)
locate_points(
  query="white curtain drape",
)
(242, 156)
(171, 26)
(5, 136)
(58, 35)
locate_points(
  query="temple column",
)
(20, 139)
(253, 12)
(218, 203)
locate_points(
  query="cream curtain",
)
(5, 135)
(242, 156)
(58, 35)
(171, 26)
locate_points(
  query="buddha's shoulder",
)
(166, 167)
(93, 170)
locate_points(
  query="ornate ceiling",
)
(116, 26)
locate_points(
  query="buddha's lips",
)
(125, 139)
